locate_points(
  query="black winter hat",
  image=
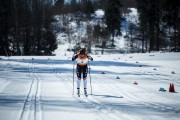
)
(82, 51)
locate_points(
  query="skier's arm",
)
(89, 57)
(74, 57)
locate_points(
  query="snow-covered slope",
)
(41, 88)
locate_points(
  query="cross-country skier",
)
(82, 68)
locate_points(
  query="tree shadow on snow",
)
(53, 66)
(109, 96)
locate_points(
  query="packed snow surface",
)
(41, 88)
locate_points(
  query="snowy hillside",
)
(79, 31)
(41, 88)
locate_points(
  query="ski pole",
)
(90, 76)
(73, 77)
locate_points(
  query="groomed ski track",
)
(41, 89)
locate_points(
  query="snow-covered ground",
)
(41, 88)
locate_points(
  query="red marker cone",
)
(171, 88)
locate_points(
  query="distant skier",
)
(82, 68)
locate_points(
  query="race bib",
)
(82, 60)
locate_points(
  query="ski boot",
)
(78, 92)
(85, 92)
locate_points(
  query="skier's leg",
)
(85, 80)
(79, 83)
(85, 86)
(85, 83)
(78, 91)
(78, 86)
(78, 72)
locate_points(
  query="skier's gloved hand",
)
(91, 58)
(73, 58)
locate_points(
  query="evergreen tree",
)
(143, 22)
(150, 22)
(23, 25)
(171, 18)
(88, 8)
(74, 6)
(101, 36)
(59, 6)
(113, 17)
(5, 19)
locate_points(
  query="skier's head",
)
(82, 51)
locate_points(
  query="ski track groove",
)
(159, 75)
(109, 105)
(97, 105)
(6, 69)
(148, 71)
(80, 100)
(32, 101)
(134, 99)
(131, 97)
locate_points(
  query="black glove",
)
(91, 59)
(73, 58)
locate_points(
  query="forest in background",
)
(26, 25)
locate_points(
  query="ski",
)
(86, 95)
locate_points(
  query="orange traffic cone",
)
(171, 88)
